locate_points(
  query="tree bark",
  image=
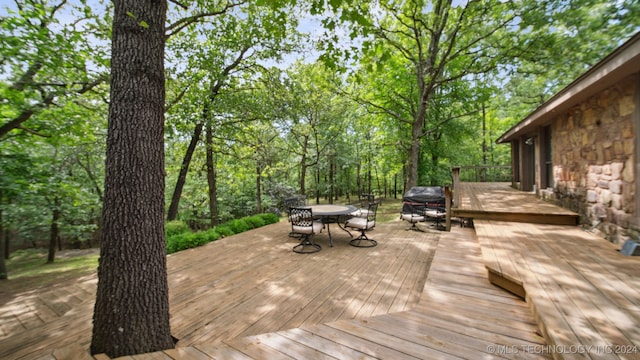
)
(3, 241)
(54, 233)
(184, 169)
(258, 189)
(303, 166)
(211, 177)
(131, 314)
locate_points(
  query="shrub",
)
(211, 235)
(180, 237)
(239, 225)
(255, 221)
(177, 242)
(224, 230)
(270, 218)
(175, 227)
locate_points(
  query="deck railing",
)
(485, 173)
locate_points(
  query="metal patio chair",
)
(364, 224)
(303, 226)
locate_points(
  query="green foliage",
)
(239, 225)
(224, 229)
(270, 218)
(291, 128)
(255, 221)
(182, 238)
(175, 227)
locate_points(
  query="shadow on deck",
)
(415, 295)
(584, 294)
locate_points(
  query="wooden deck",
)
(581, 289)
(415, 295)
(499, 201)
(584, 294)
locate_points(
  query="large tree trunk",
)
(54, 234)
(303, 166)
(131, 314)
(414, 151)
(184, 169)
(211, 177)
(258, 189)
(3, 241)
(332, 184)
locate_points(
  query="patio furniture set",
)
(420, 203)
(424, 203)
(309, 220)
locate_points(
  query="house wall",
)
(593, 152)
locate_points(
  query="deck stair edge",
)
(583, 293)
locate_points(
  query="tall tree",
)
(437, 42)
(131, 313)
(47, 60)
(210, 97)
(231, 46)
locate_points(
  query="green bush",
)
(175, 227)
(212, 235)
(179, 237)
(224, 230)
(178, 242)
(270, 218)
(239, 225)
(256, 221)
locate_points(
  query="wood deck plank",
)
(457, 337)
(410, 291)
(252, 347)
(222, 352)
(321, 282)
(568, 275)
(188, 353)
(607, 322)
(292, 348)
(356, 342)
(400, 345)
(499, 201)
(385, 284)
(228, 289)
(323, 345)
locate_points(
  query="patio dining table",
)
(330, 213)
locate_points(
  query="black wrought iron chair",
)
(365, 200)
(413, 215)
(303, 225)
(297, 200)
(288, 204)
(364, 224)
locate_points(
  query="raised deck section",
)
(582, 291)
(499, 201)
(584, 294)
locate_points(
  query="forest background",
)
(266, 99)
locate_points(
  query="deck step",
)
(499, 201)
(583, 293)
(501, 255)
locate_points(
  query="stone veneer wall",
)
(593, 157)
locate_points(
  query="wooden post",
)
(447, 202)
(456, 186)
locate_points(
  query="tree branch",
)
(30, 131)
(182, 23)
